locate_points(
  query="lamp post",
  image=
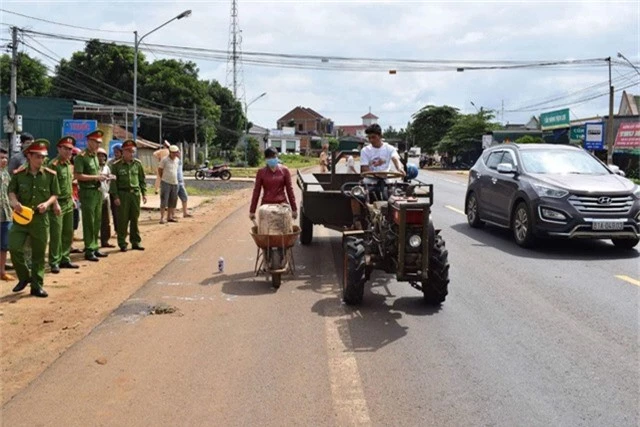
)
(629, 62)
(136, 44)
(246, 130)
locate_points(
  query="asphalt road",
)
(526, 337)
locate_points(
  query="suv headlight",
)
(636, 191)
(547, 191)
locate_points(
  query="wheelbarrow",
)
(275, 257)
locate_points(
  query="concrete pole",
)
(610, 138)
(14, 83)
(135, 87)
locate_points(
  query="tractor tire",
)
(436, 287)
(353, 271)
(306, 229)
(276, 280)
(200, 175)
(225, 175)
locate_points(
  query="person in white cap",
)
(168, 173)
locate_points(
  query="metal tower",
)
(235, 78)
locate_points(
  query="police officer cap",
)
(39, 146)
(96, 135)
(129, 144)
(374, 129)
(67, 141)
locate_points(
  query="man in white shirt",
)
(168, 173)
(377, 157)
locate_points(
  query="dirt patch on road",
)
(34, 332)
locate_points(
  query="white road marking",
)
(455, 209)
(346, 387)
(628, 279)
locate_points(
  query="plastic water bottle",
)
(221, 265)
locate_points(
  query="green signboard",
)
(577, 133)
(555, 119)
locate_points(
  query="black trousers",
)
(105, 229)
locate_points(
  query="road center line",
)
(346, 387)
(628, 279)
(454, 209)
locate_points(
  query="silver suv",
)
(547, 190)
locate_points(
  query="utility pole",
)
(14, 86)
(195, 134)
(609, 133)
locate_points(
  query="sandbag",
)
(275, 219)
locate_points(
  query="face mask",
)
(272, 163)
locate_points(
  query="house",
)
(629, 105)
(284, 140)
(145, 148)
(358, 130)
(306, 121)
(532, 124)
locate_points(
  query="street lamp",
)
(629, 62)
(246, 116)
(136, 44)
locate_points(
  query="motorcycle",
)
(216, 171)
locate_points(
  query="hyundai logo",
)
(604, 200)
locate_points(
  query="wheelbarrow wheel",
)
(276, 279)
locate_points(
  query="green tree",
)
(528, 139)
(254, 155)
(102, 73)
(173, 87)
(333, 143)
(233, 122)
(32, 76)
(430, 124)
(467, 131)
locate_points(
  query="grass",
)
(206, 192)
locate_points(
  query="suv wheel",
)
(473, 212)
(625, 243)
(522, 226)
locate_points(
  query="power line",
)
(62, 24)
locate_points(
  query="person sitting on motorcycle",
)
(274, 181)
(377, 157)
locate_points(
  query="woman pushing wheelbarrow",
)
(274, 232)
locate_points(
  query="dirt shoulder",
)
(35, 332)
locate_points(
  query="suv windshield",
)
(561, 162)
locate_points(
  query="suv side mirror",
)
(506, 168)
(616, 169)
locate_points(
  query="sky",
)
(419, 30)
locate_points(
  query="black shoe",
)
(137, 248)
(123, 249)
(107, 245)
(91, 257)
(68, 265)
(55, 269)
(21, 285)
(100, 254)
(41, 293)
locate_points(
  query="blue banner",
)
(79, 130)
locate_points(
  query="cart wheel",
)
(276, 279)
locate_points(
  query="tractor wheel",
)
(225, 175)
(200, 175)
(354, 268)
(435, 288)
(306, 229)
(276, 279)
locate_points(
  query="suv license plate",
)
(607, 225)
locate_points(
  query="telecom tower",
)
(235, 78)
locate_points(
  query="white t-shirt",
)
(169, 168)
(104, 185)
(378, 159)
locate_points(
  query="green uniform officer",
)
(61, 217)
(126, 190)
(32, 191)
(87, 172)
